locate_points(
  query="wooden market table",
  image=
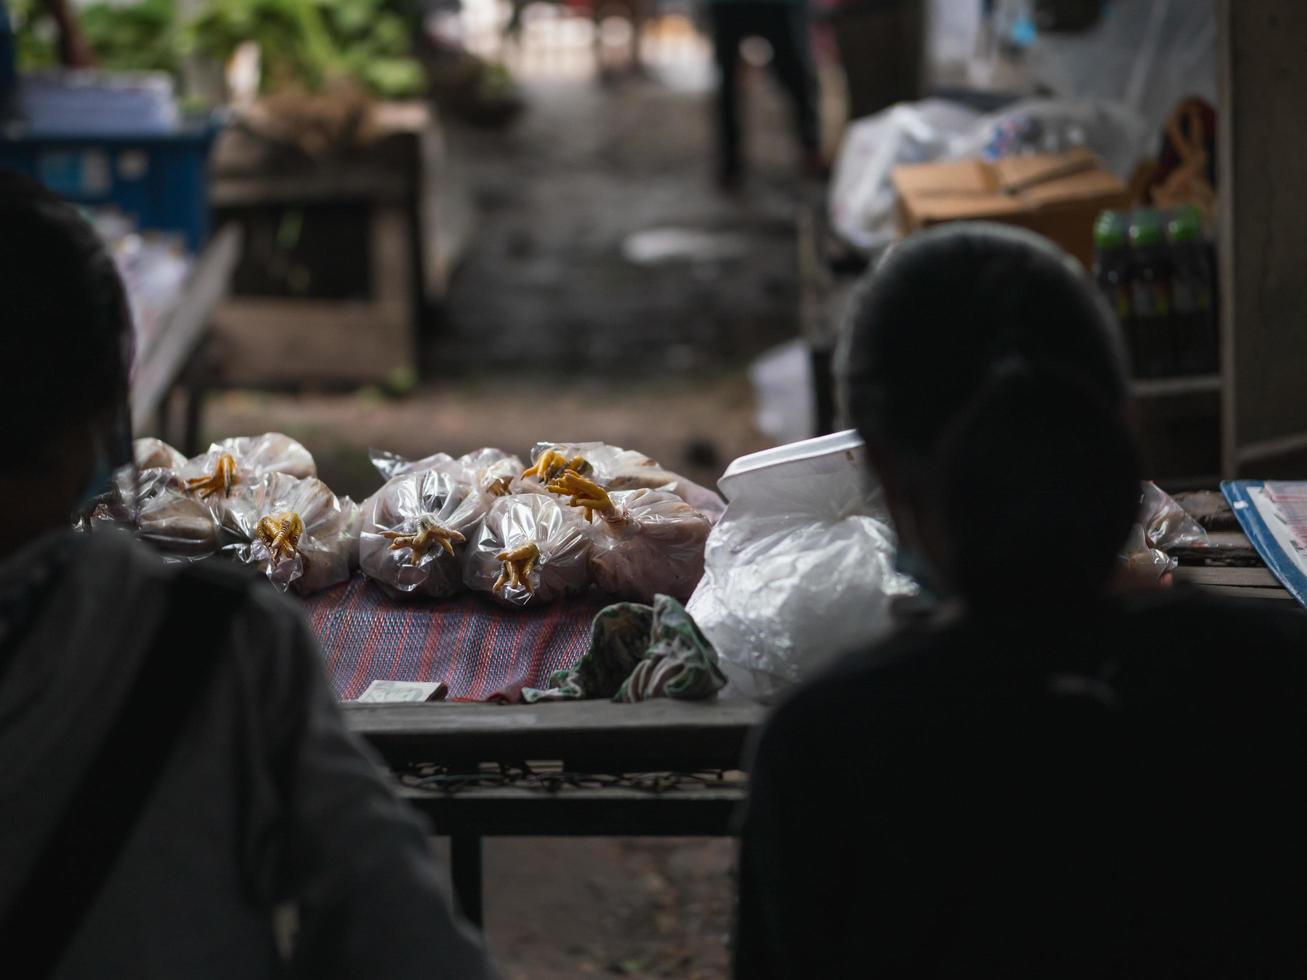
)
(572, 769)
(1229, 565)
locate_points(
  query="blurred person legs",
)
(784, 26)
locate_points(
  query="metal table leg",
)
(465, 872)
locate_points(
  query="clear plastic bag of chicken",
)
(643, 543)
(415, 531)
(614, 468)
(531, 549)
(153, 504)
(242, 462)
(296, 531)
(492, 472)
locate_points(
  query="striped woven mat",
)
(482, 650)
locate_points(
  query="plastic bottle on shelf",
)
(1112, 269)
(1193, 292)
(1150, 296)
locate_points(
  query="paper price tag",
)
(404, 691)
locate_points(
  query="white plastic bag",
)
(861, 194)
(415, 532)
(297, 531)
(862, 197)
(531, 549)
(801, 567)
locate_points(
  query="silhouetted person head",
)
(986, 375)
(65, 347)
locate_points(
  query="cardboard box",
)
(1057, 195)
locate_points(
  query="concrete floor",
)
(552, 331)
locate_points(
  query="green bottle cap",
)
(1185, 225)
(1145, 228)
(1110, 230)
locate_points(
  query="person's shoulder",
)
(212, 583)
(868, 684)
(261, 624)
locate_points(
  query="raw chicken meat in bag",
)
(415, 532)
(645, 543)
(531, 549)
(243, 461)
(296, 531)
(156, 507)
(614, 468)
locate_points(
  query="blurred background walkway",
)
(607, 291)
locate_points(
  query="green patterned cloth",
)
(639, 652)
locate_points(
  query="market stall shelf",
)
(344, 250)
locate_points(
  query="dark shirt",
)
(1109, 792)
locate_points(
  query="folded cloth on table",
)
(639, 652)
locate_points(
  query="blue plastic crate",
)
(159, 180)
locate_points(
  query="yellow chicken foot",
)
(518, 565)
(584, 493)
(429, 534)
(222, 478)
(552, 464)
(280, 534)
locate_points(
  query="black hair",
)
(65, 327)
(981, 361)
